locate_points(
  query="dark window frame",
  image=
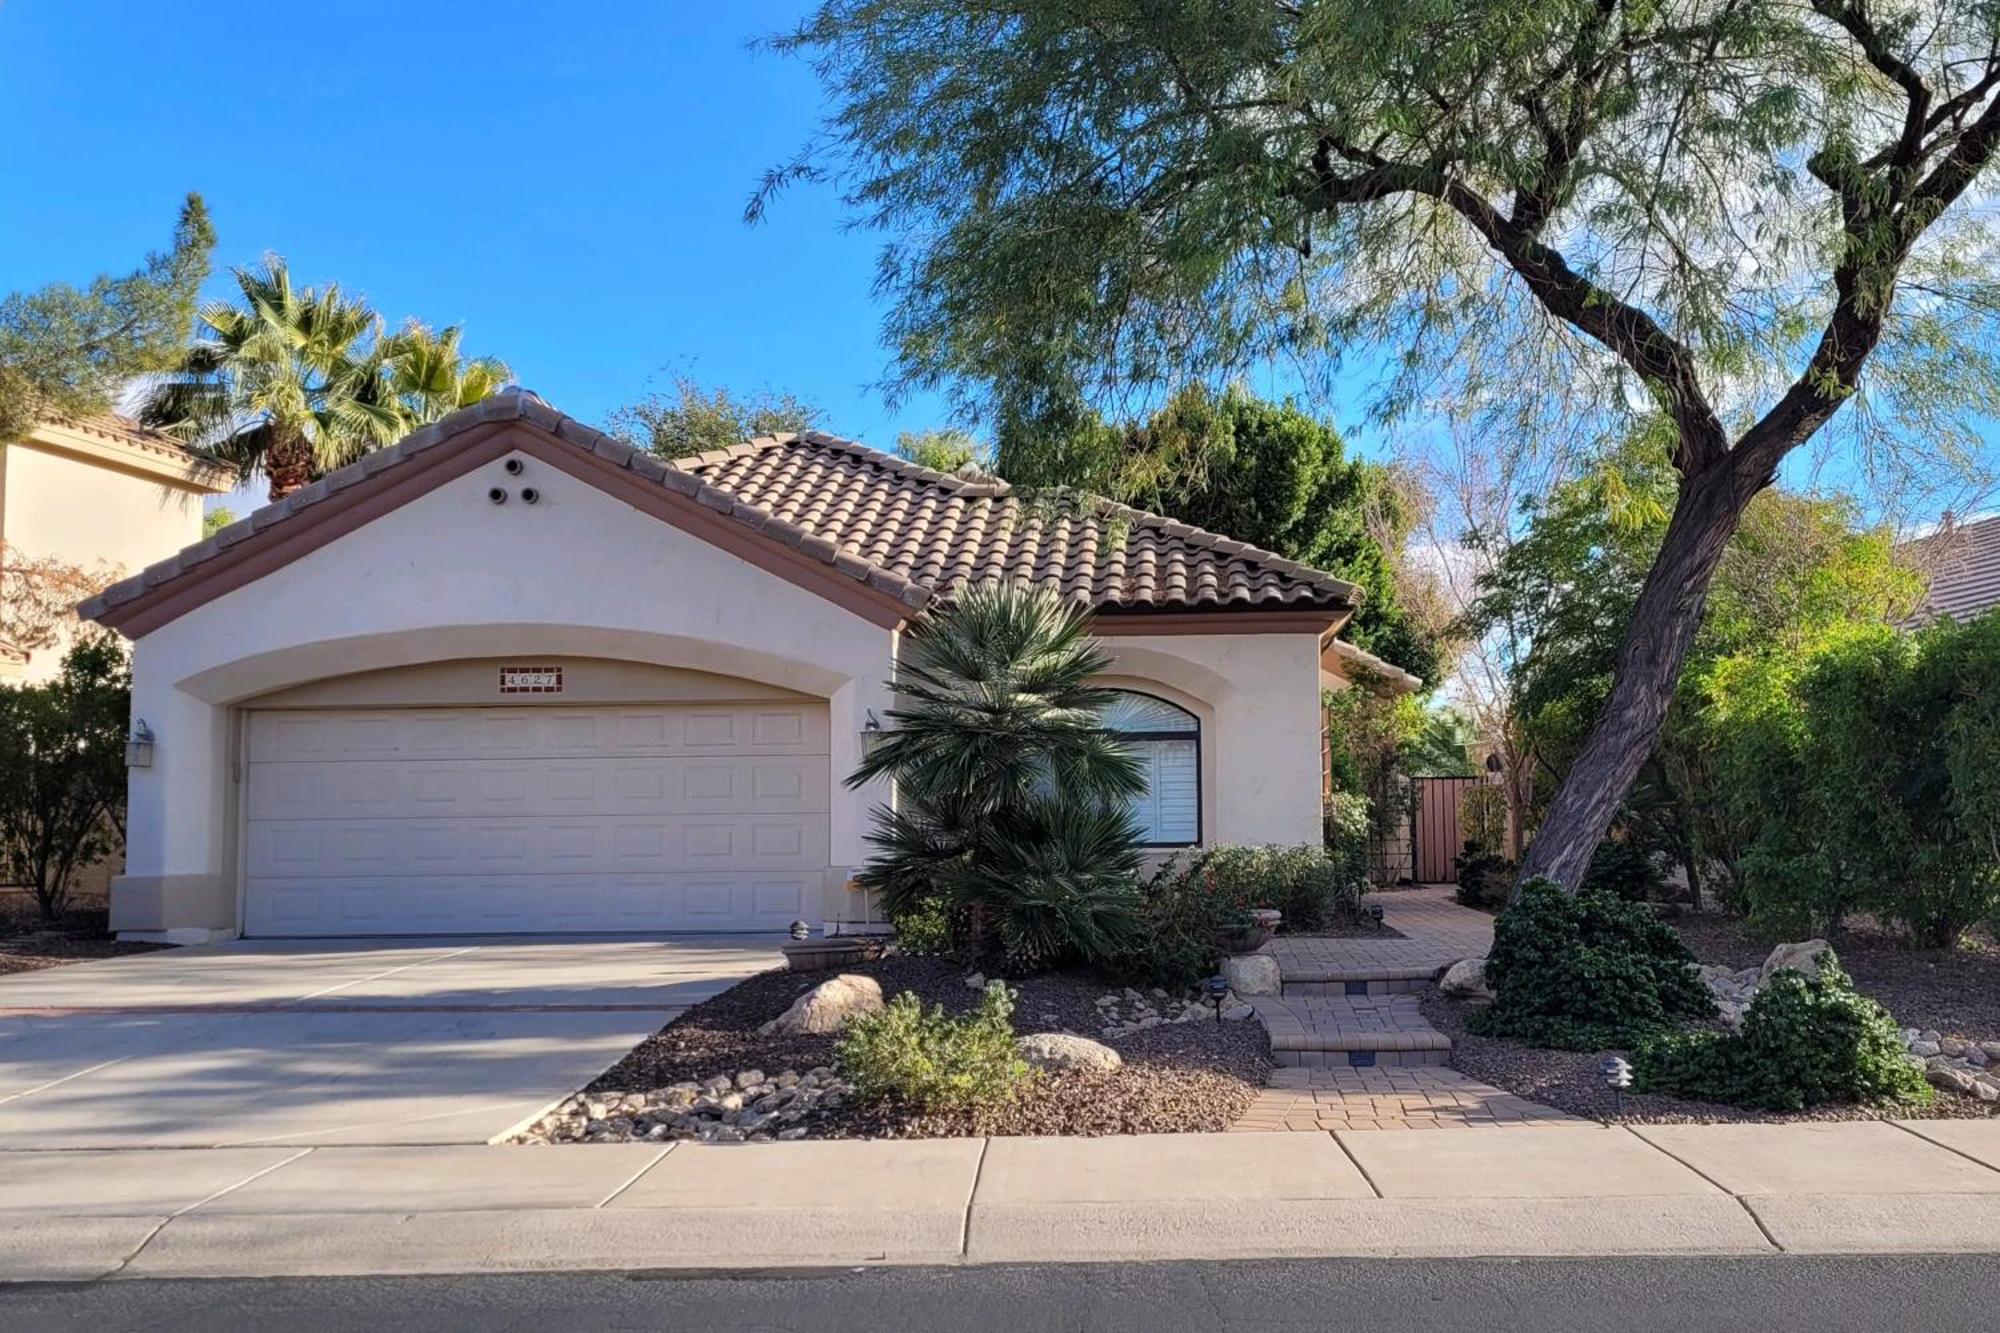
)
(1192, 734)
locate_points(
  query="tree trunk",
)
(288, 464)
(1664, 621)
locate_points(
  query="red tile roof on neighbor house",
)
(1961, 561)
(902, 530)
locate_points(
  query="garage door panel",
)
(474, 904)
(768, 785)
(545, 731)
(333, 849)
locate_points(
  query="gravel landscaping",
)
(1946, 1000)
(28, 943)
(711, 1071)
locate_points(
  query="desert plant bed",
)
(1177, 1077)
(29, 942)
(1954, 991)
(1570, 1080)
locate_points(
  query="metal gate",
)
(1435, 837)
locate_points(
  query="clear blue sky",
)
(566, 180)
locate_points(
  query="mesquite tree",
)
(1570, 218)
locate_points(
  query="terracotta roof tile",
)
(944, 532)
(909, 531)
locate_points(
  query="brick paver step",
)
(1330, 1031)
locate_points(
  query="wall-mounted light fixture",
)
(139, 745)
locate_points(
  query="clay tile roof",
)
(907, 531)
(1962, 563)
(123, 429)
(943, 531)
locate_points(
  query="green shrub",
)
(1309, 887)
(1623, 870)
(933, 1061)
(1344, 829)
(1484, 877)
(1866, 769)
(1804, 1041)
(1183, 933)
(1586, 973)
(923, 927)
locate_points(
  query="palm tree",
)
(1011, 796)
(430, 377)
(291, 383)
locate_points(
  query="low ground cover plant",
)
(1805, 1041)
(1587, 972)
(932, 1061)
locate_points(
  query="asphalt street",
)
(1939, 1294)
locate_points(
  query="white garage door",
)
(480, 820)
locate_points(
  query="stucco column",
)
(848, 712)
(178, 883)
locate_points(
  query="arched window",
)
(1167, 741)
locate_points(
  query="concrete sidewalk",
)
(1570, 1189)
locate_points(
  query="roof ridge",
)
(905, 467)
(1231, 547)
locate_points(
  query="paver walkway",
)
(1397, 1097)
(1353, 1048)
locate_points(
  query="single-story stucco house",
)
(512, 675)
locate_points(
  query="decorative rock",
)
(1924, 1050)
(1466, 980)
(1252, 974)
(749, 1079)
(827, 1007)
(1801, 957)
(1239, 1013)
(975, 981)
(1952, 1079)
(1053, 1050)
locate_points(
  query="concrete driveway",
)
(336, 1041)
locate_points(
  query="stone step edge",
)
(1334, 976)
(1429, 1040)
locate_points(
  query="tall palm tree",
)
(430, 377)
(290, 383)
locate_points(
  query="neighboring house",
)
(512, 675)
(101, 494)
(1961, 563)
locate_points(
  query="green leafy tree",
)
(1264, 473)
(67, 351)
(1011, 797)
(289, 382)
(1558, 216)
(1878, 750)
(62, 770)
(216, 519)
(690, 419)
(944, 450)
(1797, 569)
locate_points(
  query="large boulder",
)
(1252, 974)
(828, 1006)
(1466, 980)
(1801, 957)
(1060, 1050)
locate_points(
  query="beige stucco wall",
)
(1257, 696)
(90, 513)
(452, 579)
